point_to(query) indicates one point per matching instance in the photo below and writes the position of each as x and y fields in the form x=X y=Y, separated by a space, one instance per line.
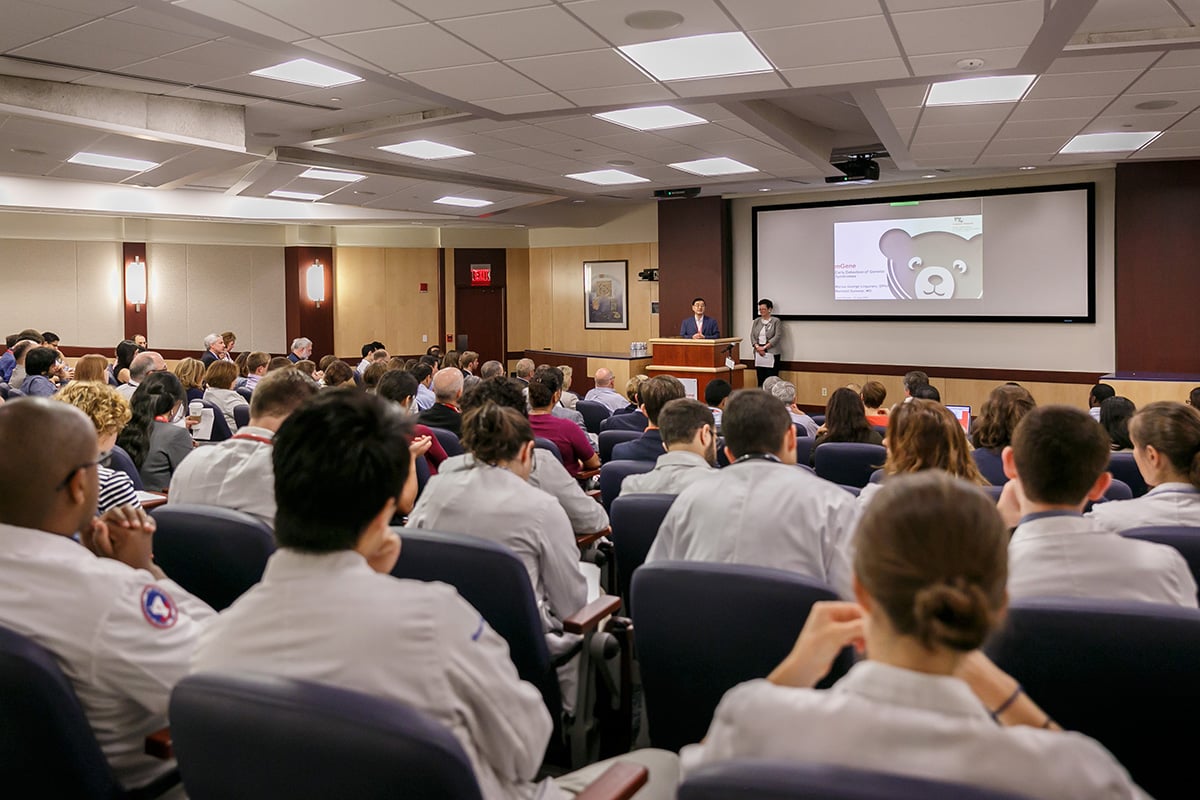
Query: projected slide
x=931 y=258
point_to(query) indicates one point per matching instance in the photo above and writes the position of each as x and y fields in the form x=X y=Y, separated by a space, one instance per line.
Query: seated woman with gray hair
x=785 y=393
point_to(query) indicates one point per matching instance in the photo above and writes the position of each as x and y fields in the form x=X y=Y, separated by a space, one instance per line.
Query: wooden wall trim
x=968 y=373
x=441 y=342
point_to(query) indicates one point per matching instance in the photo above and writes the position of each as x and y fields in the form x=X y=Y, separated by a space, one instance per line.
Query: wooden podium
x=700 y=359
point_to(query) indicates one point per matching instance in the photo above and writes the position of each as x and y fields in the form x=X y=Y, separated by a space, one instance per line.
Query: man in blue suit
x=699 y=326
x=654 y=394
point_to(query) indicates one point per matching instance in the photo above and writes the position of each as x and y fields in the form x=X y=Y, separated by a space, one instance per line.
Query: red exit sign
x=481 y=274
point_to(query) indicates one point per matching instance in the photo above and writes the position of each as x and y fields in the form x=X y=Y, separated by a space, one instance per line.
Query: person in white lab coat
x=689 y=434
x=121 y=631
x=1056 y=463
x=926 y=703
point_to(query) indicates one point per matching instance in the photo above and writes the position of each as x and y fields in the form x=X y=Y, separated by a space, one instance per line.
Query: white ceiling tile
x=673 y=154
x=335 y=56
x=449 y=9
x=618 y=95
x=19 y=164
x=903 y=96
x=1189 y=123
x=842 y=74
x=826 y=42
x=1062 y=108
x=409 y=48
x=165 y=22
x=78 y=54
x=1040 y=128
x=322 y=18
x=1181 y=58
x=1127 y=103
x=936 y=134
x=176 y=69
x=57 y=141
x=1096 y=84
x=961 y=150
x=1142 y=122
x=1164 y=153
x=595 y=69
x=527 y=135
x=974 y=27
x=529 y=32
x=1160 y=79
x=1043 y=146
x=526 y=104
x=129 y=147
x=607 y=17
x=1172 y=139
x=583 y=150
x=231 y=56
x=758 y=14
x=1123 y=15
x=938 y=64
x=361 y=95
x=992 y=160
x=25 y=23
x=584 y=126
x=135 y=38
x=733 y=84
x=530 y=157
x=901 y=6
x=243 y=16
x=96 y=8
x=904 y=119
x=476 y=82
x=963 y=115
x=42 y=72
x=1106 y=63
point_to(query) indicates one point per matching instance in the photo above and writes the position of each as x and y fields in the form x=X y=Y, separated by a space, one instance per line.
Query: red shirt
x=572 y=443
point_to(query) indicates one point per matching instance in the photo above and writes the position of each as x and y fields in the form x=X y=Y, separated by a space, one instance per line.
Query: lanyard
x=757 y=457
x=250 y=437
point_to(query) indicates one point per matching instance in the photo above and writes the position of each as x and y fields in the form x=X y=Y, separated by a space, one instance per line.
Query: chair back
x=755 y=779
x=47 y=748
x=993 y=492
x=609 y=439
x=546 y=444
x=614 y=473
x=244 y=392
x=423 y=474
x=256 y=736
x=215 y=553
x=849 y=463
x=220 y=428
x=635 y=521
x=804 y=446
x=448 y=440
x=818 y=418
x=1184 y=539
x=1125 y=469
x=120 y=461
x=1118 y=671
x=990 y=466
x=491 y=578
x=593 y=414
x=854 y=490
x=241 y=415
x=702 y=628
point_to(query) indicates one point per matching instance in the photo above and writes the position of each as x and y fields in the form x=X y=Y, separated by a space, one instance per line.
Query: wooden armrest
x=587 y=618
x=584 y=474
x=587 y=539
x=159 y=745
x=618 y=782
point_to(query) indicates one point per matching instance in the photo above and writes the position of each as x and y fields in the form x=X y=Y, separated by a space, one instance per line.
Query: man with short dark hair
x=1057 y=462
x=926 y=391
x=914 y=379
x=142 y=365
x=256 y=368
x=236 y=473
x=50 y=339
x=698 y=326
x=447 y=389
x=367 y=349
x=715 y=394
x=762 y=509
x=1099 y=393
x=425 y=397
x=689 y=434
x=8 y=361
x=40 y=363
x=653 y=394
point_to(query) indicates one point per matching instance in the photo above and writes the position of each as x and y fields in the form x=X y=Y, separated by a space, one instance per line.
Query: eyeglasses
x=101 y=461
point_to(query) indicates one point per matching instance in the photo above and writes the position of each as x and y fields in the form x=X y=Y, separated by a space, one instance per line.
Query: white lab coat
x=1167 y=504
x=1067 y=555
x=122 y=638
x=884 y=718
x=766 y=514
x=674 y=471
x=235 y=474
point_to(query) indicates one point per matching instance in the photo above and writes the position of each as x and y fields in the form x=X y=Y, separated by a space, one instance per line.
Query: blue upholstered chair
x=609 y=439
x=1184 y=539
x=614 y=473
x=119 y=460
x=990 y=466
x=1125 y=469
x=702 y=628
x=804 y=448
x=241 y=415
x=215 y=553
x=220 y=428
x=423 y=475
x=635 y=520
x=848 y=463
x=593 y=414
x=244 y=392
x=548 y=446
x=448 y=440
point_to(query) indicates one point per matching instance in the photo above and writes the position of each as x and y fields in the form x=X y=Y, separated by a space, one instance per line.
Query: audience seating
x=119 y=460
x=47 y=748
x=880 y=429
x=702 y=628
x=1124 y=468
x=593 y=414
x=244 y=392
x=818 y=418
x=848 y=463
x=807 y=469
x=254 y=736
x=1123 y=673
x=1184 y=539
x=990 y=466
x=220 y=428
x=754 y=779
x=608 y=439
x=448 y=440
x=215 y=553
x=241 y=416
x=614 y=473
x=1117 y=490
x=804 y=447
x=854 y=490
x=423 y=474
x=549 y=446
x=635 y=521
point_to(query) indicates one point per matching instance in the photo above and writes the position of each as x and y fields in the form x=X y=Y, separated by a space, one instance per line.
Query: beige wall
x=378 y=298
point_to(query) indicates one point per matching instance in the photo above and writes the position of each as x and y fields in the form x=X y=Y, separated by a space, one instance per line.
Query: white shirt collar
x=896 y=686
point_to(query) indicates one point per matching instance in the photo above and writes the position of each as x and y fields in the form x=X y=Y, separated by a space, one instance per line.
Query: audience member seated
x=156 y=445
x=569 y=398
x=633 y=393
x=214 y=349
x=279 y=362
x=921 y=435
x=122 y=633
x=401 y=387
x=300 y=350
x=845 y=421
x=40 y=364
x=873 y=396
x=1099 y=393
x=367 y=350
x=491 y=369
x=1115 y=413
x=236 y=473
x=554 y=379
x=92 y=367
x=623 y=420
x=256 y=368
x=423 y=372
x=761 y=510
x=785 y=393
x=654 y=394
x=468 y=362
x=307 y=367
x=769 y=383
x=109 y=413
x=126 y=351
x=604 y=392
x=372 y=375
x=339 y=373
x=450 y=360
x=1166 y=448
x=926 y=391
x=8 y=361
x=142 y=366
x=993 y=429
x=20 y=350
x=715 y=394
x=912 y=380
x=1194 y=398
x=219 y=378
x=243 y=373
x=1057 y=463
x=524 y=371
x=929 y=578
x=447 y=391
x=190 y=372
x=689 y=434
x=572 y=443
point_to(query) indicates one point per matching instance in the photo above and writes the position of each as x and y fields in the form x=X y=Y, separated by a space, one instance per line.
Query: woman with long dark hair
x=845 y=421
x=154 y=443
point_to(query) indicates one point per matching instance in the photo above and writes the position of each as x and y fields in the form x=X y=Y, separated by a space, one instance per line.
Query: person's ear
x=1009 y=461
x=77 y=486
x=527 y=452
x=861 y=596
x=1100 y=486
x=1152 y=455
x=706 y=434
x=368 y=539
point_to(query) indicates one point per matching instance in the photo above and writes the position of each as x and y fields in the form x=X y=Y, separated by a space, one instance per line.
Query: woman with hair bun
x=930 y=571
x=1166 y=447
x=154 y=443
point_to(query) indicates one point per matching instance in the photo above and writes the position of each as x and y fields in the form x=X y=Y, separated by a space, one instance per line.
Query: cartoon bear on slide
x=934 y=265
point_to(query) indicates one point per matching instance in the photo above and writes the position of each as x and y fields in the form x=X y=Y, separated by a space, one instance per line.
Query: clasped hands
x=124 y=534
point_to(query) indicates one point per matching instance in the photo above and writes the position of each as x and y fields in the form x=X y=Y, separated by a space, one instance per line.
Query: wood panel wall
x=379 y=298
x=694 y=241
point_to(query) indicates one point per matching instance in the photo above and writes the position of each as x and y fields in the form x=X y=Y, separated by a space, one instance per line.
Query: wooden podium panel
x=700 y=359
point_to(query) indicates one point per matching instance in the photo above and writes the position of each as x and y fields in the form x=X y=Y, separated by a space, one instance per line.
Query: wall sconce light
x=314 y=283
x=135 y=283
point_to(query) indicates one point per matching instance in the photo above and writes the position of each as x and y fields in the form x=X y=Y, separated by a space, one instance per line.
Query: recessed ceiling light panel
x=112 y=162
x=286 y=195
x=706 y=56
x=307 y=73
x=1122 y=142
x=651 y=118
x=423 y=148
x=607 y=177
x=318 y=174
x=465 y=202
x=973 y=91
x=713 y=166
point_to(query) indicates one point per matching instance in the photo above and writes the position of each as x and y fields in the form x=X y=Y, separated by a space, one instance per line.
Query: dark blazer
x=633 y=421
x=708 y=326
x=647 y=448
x=295 y=359
x=442 y=416
x=208 y=357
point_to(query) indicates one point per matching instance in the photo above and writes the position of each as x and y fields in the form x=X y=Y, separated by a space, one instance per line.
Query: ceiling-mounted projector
x=858 y=169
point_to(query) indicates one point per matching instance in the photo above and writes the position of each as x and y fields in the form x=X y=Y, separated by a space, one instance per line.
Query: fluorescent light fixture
x=713 y=166
x=970 y=91
x=314 y=283
x=318 y=174
x=423 y=148
x=112 y=162
x=607 y=177
x=465 y=202
x=705 y=56
x=286 y=195
x=651 y=118
x=308 y=73
x=1122 y=142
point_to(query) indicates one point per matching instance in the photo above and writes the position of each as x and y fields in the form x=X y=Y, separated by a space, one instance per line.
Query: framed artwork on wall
x=605 y=295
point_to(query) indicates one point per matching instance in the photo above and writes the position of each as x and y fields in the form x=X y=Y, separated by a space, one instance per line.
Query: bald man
x=121 y=631
x=142 y=365
x=604 y=393
x=447 y=389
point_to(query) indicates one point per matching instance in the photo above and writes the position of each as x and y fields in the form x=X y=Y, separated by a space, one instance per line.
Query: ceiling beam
x=338 y=134
x=811 y=142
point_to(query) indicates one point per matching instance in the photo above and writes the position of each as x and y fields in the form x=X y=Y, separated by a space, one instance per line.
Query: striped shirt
x=116 y=489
